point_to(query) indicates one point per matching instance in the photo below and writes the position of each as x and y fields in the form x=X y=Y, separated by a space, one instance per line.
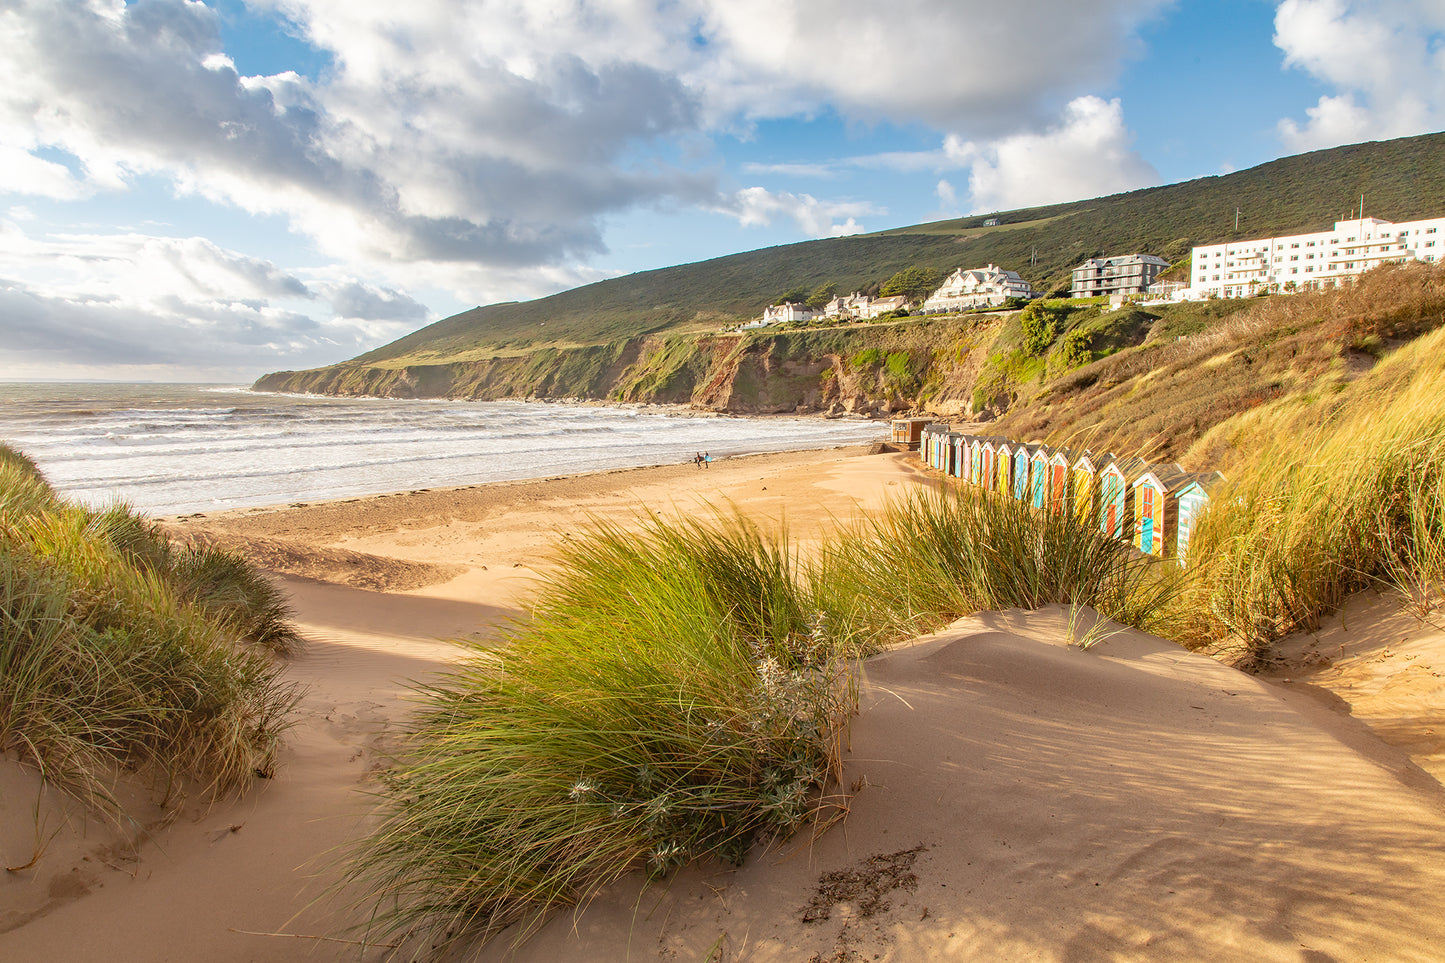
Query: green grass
x=1347 y=493
x=681 y=692
x=117 y=651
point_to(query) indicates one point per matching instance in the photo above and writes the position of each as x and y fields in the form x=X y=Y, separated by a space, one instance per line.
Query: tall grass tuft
x=935 y=556
x=1344 y=498
x=105 y=663
x=677 y=693
x=672 y=696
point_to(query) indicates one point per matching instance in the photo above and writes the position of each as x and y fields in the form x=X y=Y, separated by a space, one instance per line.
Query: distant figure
x=706 y=460
x=697 y=459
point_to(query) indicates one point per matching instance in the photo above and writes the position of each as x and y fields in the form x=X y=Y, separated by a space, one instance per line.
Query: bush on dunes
x=679 y=692
x=673 y=695
x=1348 y=494
x=109 y=658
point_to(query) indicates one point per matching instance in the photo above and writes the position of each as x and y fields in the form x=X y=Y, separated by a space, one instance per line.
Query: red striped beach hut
x=1116 y=496
x=1059 y=480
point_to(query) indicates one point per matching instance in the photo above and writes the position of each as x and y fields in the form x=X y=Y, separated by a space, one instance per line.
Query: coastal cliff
x=866 y=369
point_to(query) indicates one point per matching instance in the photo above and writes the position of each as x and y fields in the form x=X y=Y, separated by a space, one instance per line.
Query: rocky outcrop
x=874 y=370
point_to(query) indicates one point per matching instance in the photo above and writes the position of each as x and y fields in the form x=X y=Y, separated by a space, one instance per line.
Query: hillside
x=1400 y=179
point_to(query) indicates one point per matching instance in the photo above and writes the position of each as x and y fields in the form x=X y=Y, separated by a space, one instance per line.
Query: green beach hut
x=1039 y=476
x=1116 y=496
x=1193 y=500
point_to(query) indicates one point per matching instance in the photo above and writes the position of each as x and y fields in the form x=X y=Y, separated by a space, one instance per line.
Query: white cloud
x=132 y=302
x=1385 y=59
x=1088 y=153
x=759 y=207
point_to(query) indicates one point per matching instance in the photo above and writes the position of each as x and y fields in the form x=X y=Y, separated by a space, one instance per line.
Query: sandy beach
x=1007 y=796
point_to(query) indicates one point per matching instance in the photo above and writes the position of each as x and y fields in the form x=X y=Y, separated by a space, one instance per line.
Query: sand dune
x=1011 y=797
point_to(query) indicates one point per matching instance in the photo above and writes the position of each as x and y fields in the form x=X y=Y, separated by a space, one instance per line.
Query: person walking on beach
x=707 y=459
x=697 y=460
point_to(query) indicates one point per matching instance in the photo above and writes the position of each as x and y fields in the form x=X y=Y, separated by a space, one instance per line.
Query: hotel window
x=1294 y=257
x=1429 y=230
x=1296 y=244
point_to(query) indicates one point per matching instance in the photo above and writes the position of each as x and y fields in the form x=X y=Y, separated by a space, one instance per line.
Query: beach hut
x=960 y=454
x=1039 y=476
x=1116 y=501
x=1059 y=479
x=988 y=452
x=975 y=460
x=931 y=443
x=1023 y=465
x=1156 y=508
x=907 y=432
x=1005 y=468
x=1085 y=483
x=1193 y=499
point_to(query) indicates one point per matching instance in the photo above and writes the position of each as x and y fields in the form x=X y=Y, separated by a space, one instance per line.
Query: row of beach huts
x=1151 y=506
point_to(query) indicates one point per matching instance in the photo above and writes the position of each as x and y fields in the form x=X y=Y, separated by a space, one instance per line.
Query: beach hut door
x=1146 y=534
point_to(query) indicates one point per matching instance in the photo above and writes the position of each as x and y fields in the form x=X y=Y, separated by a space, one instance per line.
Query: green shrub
x=673 y=694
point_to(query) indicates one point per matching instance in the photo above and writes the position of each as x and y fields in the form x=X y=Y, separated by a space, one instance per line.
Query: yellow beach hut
x=1116 y=501
x=1085 y=483
x=1005 y=468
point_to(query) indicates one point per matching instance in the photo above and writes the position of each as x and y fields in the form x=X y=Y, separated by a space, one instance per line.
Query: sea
x=172 y=449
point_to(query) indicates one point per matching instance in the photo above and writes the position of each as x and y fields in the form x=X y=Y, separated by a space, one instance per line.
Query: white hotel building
x=1239 y=269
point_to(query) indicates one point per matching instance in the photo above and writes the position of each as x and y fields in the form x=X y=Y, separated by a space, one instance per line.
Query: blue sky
x=212 y=190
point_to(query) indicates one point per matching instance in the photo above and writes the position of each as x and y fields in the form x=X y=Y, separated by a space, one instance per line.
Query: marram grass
x=1345 y=498
x=112 y=657
x=679 y=692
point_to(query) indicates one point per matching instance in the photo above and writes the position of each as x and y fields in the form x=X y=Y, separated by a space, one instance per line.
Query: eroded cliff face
x=922 y=365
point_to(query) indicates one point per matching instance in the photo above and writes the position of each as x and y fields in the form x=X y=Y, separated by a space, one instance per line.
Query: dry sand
x=1015 y=798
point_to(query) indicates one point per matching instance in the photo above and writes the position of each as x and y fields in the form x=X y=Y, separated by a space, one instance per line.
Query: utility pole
x=1236 y=220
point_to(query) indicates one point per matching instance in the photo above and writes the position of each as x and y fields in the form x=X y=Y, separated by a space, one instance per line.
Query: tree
x=822 y=294
x=1041 y=325
x=914 y=283
x=793 y=295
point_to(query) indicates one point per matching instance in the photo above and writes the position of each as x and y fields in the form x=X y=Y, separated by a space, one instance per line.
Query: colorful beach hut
x=1116 y=496
x=1023 y=469
x=988 y=452
x=1193 y=499
x=930 y=449
x=961 y=460
x=1156 y=508
x=1059 y=480
x=1039 y=476
x=1085 y=483
x=1005 y=468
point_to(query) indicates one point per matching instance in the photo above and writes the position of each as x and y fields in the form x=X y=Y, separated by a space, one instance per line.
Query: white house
x=1121 y=274
x=977 y=288
x=1238 y=269
x=788 y=311
x=875 y=307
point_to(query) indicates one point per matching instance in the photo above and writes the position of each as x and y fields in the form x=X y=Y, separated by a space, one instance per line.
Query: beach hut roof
x=1169 y=478
x=1204 y=480
x=1094 y=462
x=1130 y=468
x=1063 y=456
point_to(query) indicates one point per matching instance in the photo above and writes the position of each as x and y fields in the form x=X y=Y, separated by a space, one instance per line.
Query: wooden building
x=1085 y=483
x=1116 y=496
x=1059 y=478
x=1023 y=469
x=1156 y=508
x=1193 y=500
x=1039 y=476
x=907 y=432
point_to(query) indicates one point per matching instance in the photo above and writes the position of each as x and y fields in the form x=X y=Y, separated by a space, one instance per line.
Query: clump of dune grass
x=1347 y=496
x=673 y=695
x=680 y=692
x=933 y=557
x=106 y=664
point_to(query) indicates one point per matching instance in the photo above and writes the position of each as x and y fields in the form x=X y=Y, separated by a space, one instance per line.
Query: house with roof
x=1122 y=274
x=969 y=288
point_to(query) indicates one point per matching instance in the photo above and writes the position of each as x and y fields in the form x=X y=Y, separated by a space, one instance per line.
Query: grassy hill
x=1400 y=179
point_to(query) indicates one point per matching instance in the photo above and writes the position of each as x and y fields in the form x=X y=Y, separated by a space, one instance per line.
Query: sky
x=208 y=190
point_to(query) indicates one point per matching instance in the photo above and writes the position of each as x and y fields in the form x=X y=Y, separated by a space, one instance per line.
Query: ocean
x=175 y=449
